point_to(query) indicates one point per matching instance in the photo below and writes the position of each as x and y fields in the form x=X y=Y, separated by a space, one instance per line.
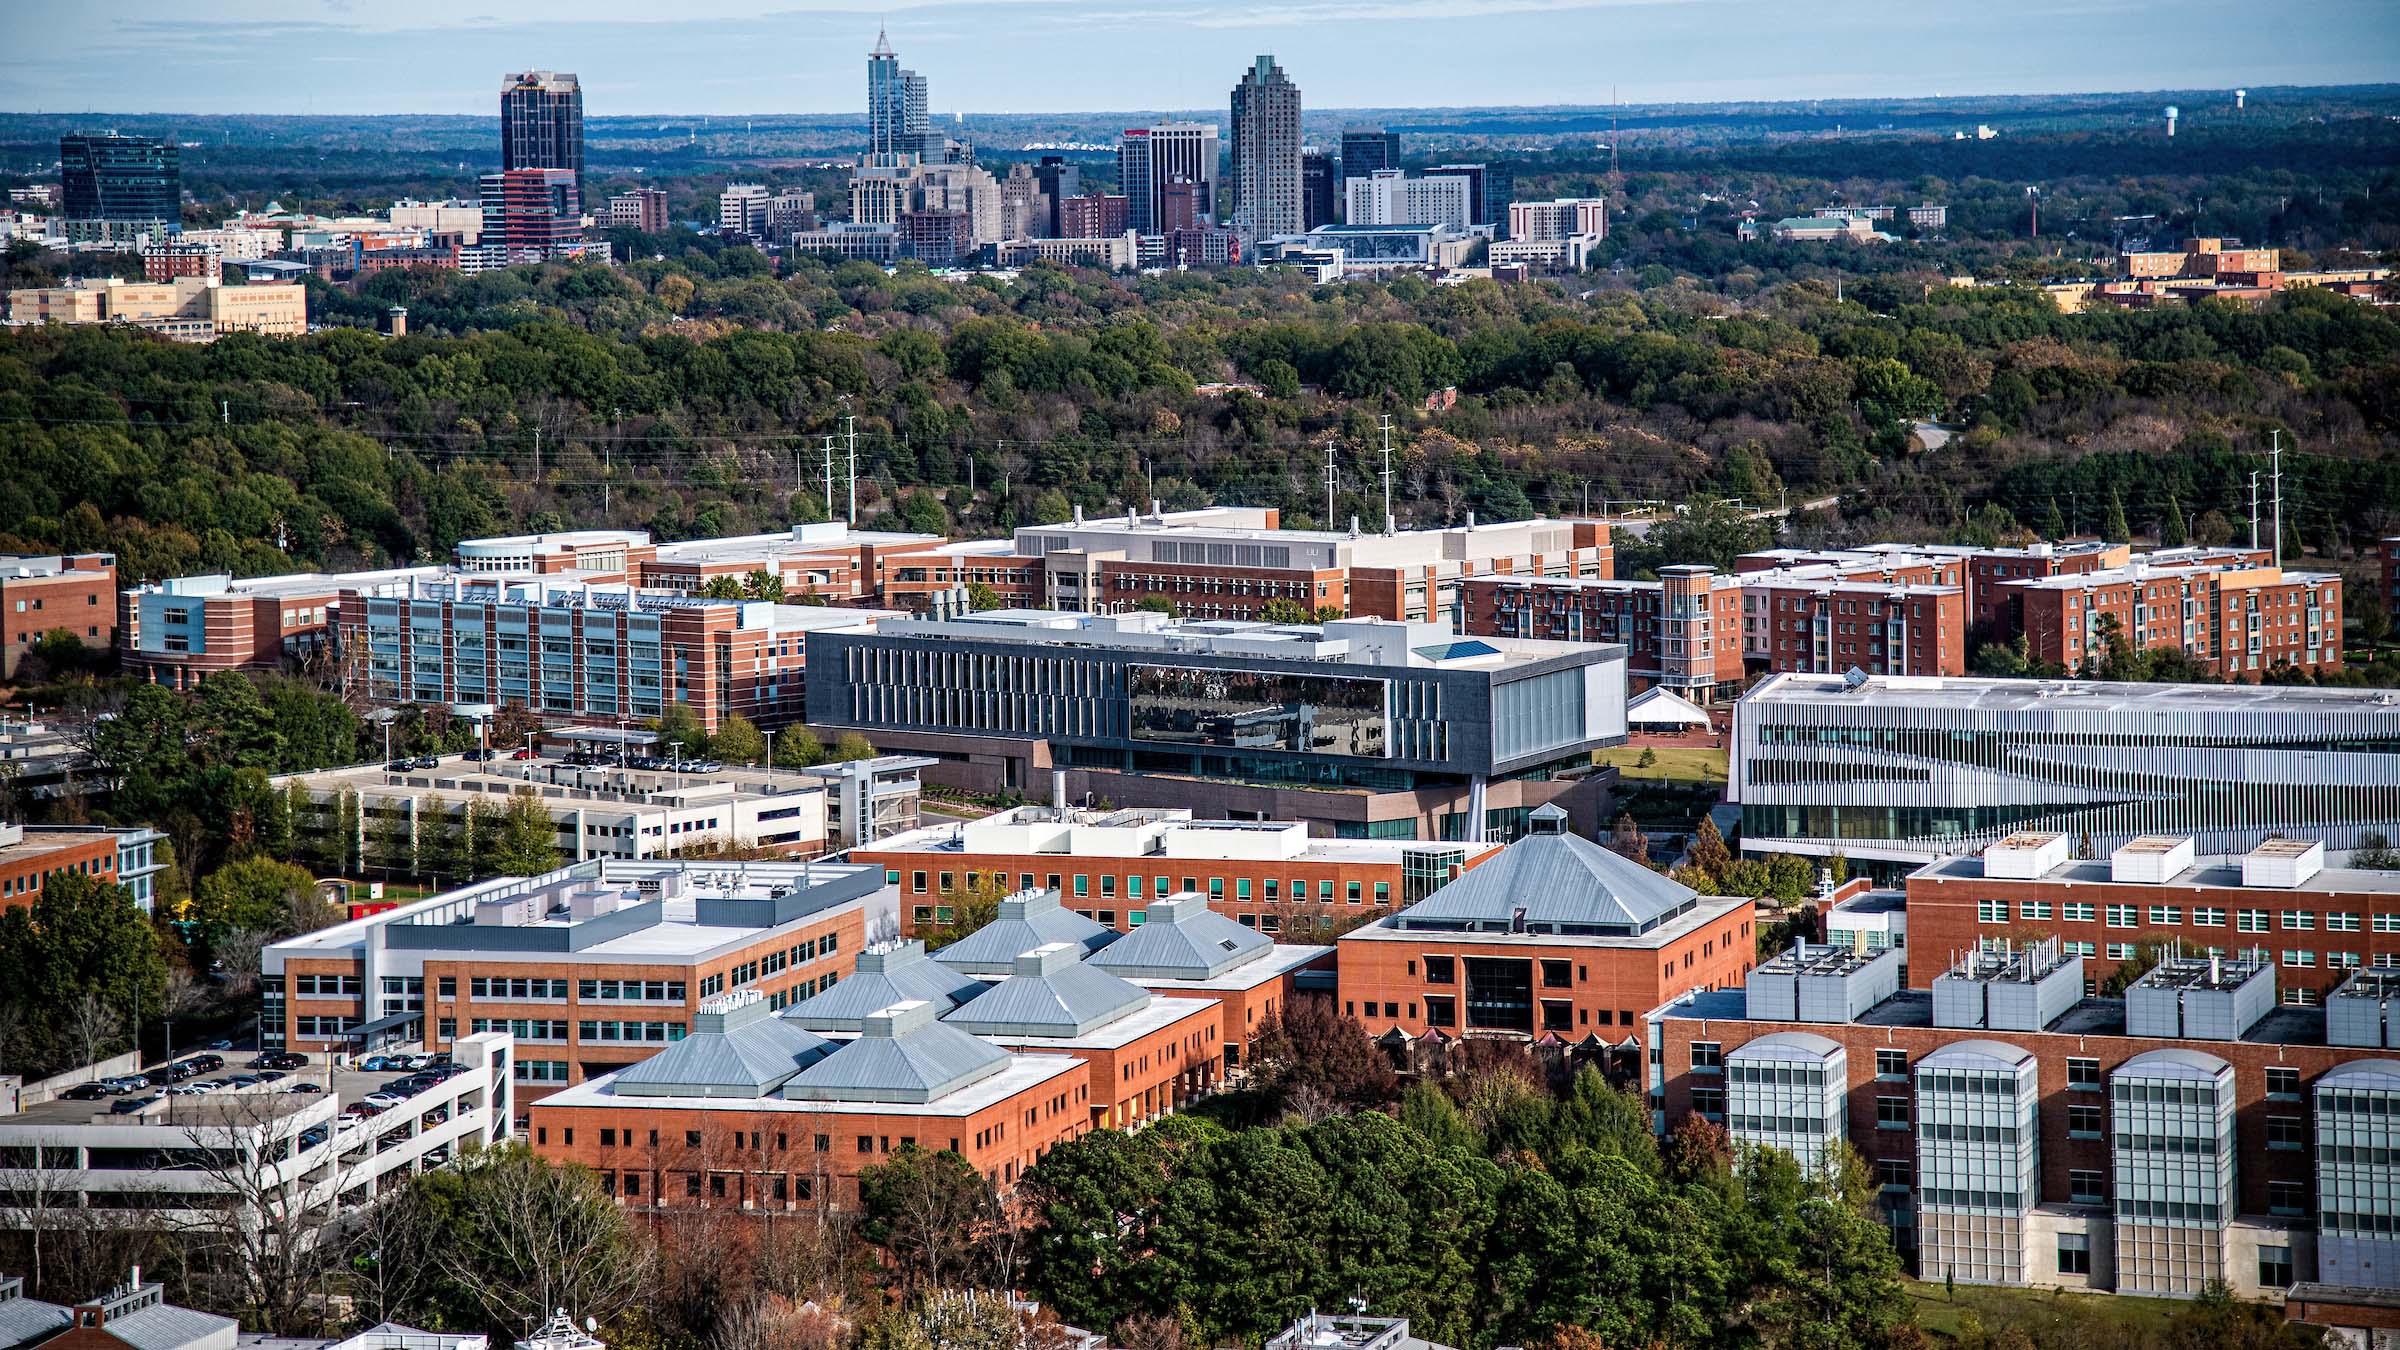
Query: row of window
x=515 y=988
x=325 y=985
x=2202 y=916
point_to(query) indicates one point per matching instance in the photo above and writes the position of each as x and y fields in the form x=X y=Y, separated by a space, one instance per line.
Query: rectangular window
x=2074 y=1254
x=2166 y=915
x=2124 y=916
x=1991 y=911
x=2086 y=1188
x=2085 y=1122
x=1891 y=1064
x=2077 y=911
x=1891 y=1113
x=2250 y=920
x=2035 y=910
x=2341 y=923
x=1558 y=974
x=2299 y=920
x=2287 y=1198
x=2283 y=1085
x=2274 y=1267
x=1441 y=969
x=2208 y=916
x=2285 y=1133
x=2083 y=1075
x=1708 y=1057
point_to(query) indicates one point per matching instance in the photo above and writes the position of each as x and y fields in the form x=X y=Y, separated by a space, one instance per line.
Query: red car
x=522 y=754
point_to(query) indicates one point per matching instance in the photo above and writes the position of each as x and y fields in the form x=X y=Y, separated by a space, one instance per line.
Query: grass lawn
x=2040 y=1312
x=1683 y=763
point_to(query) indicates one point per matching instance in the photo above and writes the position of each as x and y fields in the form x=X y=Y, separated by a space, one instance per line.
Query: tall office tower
x=532 y=213
x=1390 y=197
x=1366 y=149
x=541 y=122
x=1266 y=153
x=1059 y=180
x=897 y=121
x=1150 y=158
x=1320 y=189
x=1478 y=205
x=134 y=179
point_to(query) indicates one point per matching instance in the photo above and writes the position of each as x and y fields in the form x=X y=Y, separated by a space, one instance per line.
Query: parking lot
x=346 y=1085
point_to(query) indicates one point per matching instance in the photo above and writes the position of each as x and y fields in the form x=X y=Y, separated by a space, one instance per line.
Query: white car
x=384 y=1101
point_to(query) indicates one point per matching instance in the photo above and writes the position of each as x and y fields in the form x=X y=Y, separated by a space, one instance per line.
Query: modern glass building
x=2358 y=1174
x=1266 y=153
x=1979 y=1163
x=2171 y=1156
x=1789 y=1091
x=1907 y=769
x=125 y=178
x=541 y=122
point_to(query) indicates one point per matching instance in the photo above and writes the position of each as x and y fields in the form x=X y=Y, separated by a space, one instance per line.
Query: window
x=1892 y=1173
x=1441 y=969
x=1709 y=1102
x=2074 y=1254
x=1891 y=1113
x=2285 y=1133
x=2208 y=916
x=1558 y=974
x=2386 y=923
x=1708 y=1057
x=2287 y=1198
x=2341 y=923
x=2083 y=1075
x=2274 y=1267
x=2085 y=1122
x=2299 y=920
x=2283 y=1085
x=2120 y=951
x=2077 y=911
x=2086 y=1187
x=1891 y=1064
x=2037 y=910
x=2166 y=915
x=2124 y=916
x=1991 y=911
x=2250 y=920
x=1441 y=1010
x=2298 y=959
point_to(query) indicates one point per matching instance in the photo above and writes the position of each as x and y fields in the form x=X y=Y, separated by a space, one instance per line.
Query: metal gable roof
x=901 y=1055
x=898 y=973
x=737 y=1048
x=1561 y=883
x=1182 y=939
x=163 y=1326
x=1051 y=992
x=1027 y=920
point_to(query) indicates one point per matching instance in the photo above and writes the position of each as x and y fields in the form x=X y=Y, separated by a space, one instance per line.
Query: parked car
x=399 y=766
x=383 y=1101
x=86 y=1092
x=124 y=1084
x=208 y=1063
x=243 y=1080
x=437 y=1155
x=279 y=1059
x=362 y=1110
x=314 y=1135
x=272 y=1076
x=521 y=754
x=482 y=754
x=378 y=1063
x=126 y=1106
x=304 y=1087
x=160 y=1077
x=188 y=1090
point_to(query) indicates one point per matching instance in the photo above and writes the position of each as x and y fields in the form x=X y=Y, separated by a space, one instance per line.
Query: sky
x=723 y=57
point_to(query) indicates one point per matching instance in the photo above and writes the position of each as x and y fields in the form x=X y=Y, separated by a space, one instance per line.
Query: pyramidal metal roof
x=1551 y=881
x=901 y=1055
x=737 y=1048
x=900 y=972
x=1027 y=920
x=1182 y=939
x=1051 y=992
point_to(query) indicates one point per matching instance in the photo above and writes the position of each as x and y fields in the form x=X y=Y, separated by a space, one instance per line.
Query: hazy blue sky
x=719 y=56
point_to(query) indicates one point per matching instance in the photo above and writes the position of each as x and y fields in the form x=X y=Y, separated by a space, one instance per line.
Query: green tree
x=144 y=752
x=724 y=586
x=852 y=746
x=260 y=894
x=681 y=726
x=2171 y=530
x=528 y=840
x=797 y=747
x=2112 y=525
x=78 y=934
x=738 y=741
x=484 y=829
x=231 y=726
x=926 y=1210
x=762 y=584
x=981 y=597
x=1282 y=610
x=391 y=840
x=1708 y=851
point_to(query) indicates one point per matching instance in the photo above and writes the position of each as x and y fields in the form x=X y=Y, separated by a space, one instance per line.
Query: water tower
x=2172 y=113
x=2238 y=96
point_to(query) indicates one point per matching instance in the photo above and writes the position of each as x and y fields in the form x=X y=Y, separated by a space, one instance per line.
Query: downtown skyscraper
x=1151 y=159
x=897 y=120
x=1266 y=153
x=131 y=180
x=541 y=122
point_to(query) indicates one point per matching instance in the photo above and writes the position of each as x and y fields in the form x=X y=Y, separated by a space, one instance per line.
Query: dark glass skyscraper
x=1320 y=188
x=1366 y=149
x=541 y=122
x=131 y=178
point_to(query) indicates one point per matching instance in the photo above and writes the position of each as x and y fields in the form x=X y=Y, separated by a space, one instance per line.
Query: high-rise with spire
x=1266 y=153
x=897 y=121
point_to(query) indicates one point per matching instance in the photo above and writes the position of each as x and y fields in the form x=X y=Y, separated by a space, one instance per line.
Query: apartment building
x=590 y=967
x=71 y=593
x=755 y=1112
x=1114 y=866
x=1681 y=632
x=1555 y=936
x=2239 y=621
x=2277 y=904
x=575 y=650
x=179 y=631
x=1362 y=728
x=1830 y=626
x=2025 y=1134
x=1893 y=771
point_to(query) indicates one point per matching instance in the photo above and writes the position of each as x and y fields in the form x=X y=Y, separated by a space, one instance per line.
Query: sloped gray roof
x=901 y=1055
x=898 y=973
x=25 y=1319
x=737 y=1048
x=163 y=1326
x=1976 y=1054
x=1182 y=939
x=1051 y=992
x=1027 y=920
x=2172 y=1062
x=1563 y=883
x=1787 y=1045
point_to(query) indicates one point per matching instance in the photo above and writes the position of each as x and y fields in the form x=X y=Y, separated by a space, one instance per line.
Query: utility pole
x=852 y=424
x=2254 y=508
x=537 y=450
x=1389 y=525
x=1331 y=478
x=2276 y=461
x=829 y=478
x=225 y=411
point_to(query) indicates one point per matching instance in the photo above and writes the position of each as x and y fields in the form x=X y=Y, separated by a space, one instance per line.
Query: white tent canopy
x=1663 y=708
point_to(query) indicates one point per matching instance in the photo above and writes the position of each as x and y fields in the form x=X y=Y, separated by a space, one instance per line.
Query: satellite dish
x=1853 y=677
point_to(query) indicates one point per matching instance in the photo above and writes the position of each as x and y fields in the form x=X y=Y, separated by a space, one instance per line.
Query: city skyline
x=250 y=56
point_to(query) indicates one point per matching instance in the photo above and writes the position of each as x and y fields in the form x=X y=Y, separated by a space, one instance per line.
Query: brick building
x=2238 y=620
x=1185 y=948
x=1682 y=632
x=1112 y=866
x=1555 y=935
x=2277 y=904
x=72 y=593
x=29 y=860
x=756 y=1113
x=2025 y=1134
x=1829 y=627
x=180 y=631
x=591 y=967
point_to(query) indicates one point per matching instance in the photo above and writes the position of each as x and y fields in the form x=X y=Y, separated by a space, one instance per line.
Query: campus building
x=755 y=1112
x=1361 y=728
x=2277 y=904
x=2236 y=620
x=590 y=967
x=179 y=631
x=1112 y=866
x=28 y=859
x=1555 y=936
x=73 y=594
x=1186 y=949
x=2025 y=1134
x=1902 y=770
x=182 y=308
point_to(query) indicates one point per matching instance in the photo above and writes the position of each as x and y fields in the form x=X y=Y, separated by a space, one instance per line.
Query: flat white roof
x=1024 y=1071
x=1272 y=963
